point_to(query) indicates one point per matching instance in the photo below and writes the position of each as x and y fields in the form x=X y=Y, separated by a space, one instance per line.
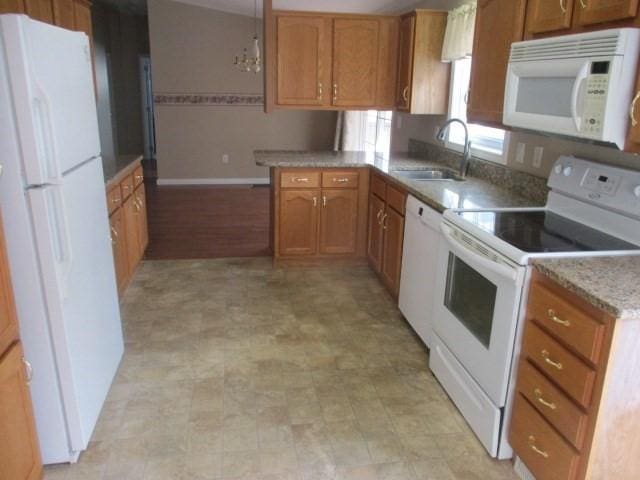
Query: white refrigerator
x=52 y=196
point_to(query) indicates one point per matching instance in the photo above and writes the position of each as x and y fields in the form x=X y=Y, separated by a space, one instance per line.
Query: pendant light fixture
x=252 y=63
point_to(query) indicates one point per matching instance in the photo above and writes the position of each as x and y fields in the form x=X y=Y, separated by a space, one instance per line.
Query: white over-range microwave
x=576 y=85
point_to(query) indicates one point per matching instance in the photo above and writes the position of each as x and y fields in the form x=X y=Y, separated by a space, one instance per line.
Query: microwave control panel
x=595 y=99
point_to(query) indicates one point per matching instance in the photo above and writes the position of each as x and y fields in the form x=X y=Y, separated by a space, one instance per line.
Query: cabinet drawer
x=340 y=179
x=378 y=187
x=138 y=176
x=561 y=366
x=542 y=450
x=566 y=321
x=554 y=405
x=114 y=199
x=127 y=186
x=396 y=199
x=300 y=179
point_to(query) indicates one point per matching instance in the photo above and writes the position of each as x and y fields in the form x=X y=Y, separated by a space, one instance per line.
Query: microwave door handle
x=463 y=252
x=576 y=94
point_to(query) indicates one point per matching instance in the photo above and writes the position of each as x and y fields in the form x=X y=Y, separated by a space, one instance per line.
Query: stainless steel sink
x=440 y=174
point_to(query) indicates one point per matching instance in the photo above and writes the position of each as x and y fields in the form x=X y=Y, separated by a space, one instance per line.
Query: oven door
x=477 y=296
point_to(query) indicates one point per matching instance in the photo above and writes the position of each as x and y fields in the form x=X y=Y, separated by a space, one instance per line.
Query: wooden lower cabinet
x=393 y=227
x=19 y=450
x=143 y=227
x=132 y=242
x=320 y=212
x=575 y=413
x=339 y=221
x=299 y=222
x=118 y=241
x=386 y=232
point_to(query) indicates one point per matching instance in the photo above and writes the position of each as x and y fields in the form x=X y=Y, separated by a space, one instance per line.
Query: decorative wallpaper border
x=209 y=99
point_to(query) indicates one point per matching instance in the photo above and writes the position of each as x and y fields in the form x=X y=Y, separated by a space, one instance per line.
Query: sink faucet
x=466 y=154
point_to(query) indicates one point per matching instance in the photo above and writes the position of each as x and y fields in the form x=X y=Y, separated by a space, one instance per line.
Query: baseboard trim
x=212 y=181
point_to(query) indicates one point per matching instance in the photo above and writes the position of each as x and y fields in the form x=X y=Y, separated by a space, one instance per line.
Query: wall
x=119 y=39
x=192 y=50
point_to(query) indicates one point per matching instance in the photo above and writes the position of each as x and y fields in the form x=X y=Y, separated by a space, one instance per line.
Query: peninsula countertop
x=440 y=195
x=117 y=168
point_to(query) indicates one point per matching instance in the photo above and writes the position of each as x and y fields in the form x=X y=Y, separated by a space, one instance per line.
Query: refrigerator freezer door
x=72 y=238
x=52 y=85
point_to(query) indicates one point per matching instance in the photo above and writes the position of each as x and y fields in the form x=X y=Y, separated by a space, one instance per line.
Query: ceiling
x=245 y=7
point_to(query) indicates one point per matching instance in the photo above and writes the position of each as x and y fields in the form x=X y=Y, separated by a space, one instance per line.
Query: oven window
x=471 y=298
x=545 y=95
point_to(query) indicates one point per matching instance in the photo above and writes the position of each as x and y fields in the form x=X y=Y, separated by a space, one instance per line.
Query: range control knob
x=636 y=191
x=568 y=170
x=558 y=168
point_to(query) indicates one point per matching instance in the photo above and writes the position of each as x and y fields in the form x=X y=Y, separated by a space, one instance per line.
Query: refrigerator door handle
x=45 y=130
x=61 y=236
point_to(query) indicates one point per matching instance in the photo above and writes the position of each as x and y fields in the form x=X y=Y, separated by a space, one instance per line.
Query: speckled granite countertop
x=610 y=283
x=114 y=167
x=440 y=195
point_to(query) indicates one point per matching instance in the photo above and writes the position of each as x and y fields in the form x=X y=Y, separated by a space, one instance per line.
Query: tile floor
x=235 y=369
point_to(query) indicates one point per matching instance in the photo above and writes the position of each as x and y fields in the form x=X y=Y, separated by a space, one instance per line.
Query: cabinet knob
x=632 y=109
x=335 y=92
x=405 y=93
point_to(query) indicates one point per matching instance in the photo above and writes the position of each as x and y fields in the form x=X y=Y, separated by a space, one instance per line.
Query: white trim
x=213 y=181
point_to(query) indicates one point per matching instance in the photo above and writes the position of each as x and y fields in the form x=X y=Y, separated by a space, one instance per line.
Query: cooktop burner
x=542 y=231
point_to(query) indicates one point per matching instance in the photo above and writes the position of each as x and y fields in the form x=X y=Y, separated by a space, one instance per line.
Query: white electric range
x=484 y=269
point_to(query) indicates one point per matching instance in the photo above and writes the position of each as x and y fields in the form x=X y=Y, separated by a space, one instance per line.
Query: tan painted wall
x=192 y=50
x=422 y=127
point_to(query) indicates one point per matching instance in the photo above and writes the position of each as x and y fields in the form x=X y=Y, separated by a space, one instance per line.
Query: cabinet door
x=375 y=237
x=143 y=229
x=393 y=226
x=132 y=241
x=298 y=233
x=302 y=60
x=549 y=15
x=119 y=243
x=39 y=10
x=405 y=62
x=64 y=14
x=589 y=12
x=339 y=221
x=498 y=24
x=8 y=321
x=12 y=6
x=633 y=136
x=355 y=62
x=387 y=63
x=19 y=451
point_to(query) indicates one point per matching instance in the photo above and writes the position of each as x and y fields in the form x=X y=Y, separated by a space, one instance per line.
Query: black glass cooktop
x=544 y=232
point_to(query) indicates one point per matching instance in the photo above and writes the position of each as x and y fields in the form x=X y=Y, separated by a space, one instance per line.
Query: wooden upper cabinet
x=549 y=15
x=82 y=17
x=423 y=79
x=355 y=62
x=303 y=56
x=19 y=450
x=12 y=6
x=387 y=63
x=498 y=24
x=405 y=62
x=590 y=12
x=299 y=222
x=39 y=10
x=339 y=221
x=64 y=14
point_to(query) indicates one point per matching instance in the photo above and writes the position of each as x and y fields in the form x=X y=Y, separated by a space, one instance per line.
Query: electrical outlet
x=225 y=158
x=537 y=157
x=520 y=151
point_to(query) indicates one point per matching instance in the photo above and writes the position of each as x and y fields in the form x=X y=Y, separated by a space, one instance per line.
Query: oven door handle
x=464 y=253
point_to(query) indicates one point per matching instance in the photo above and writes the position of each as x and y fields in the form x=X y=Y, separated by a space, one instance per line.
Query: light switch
x=520 y=151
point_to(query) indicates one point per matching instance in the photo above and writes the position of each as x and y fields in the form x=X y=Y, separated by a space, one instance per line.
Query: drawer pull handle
x=582 y=4
x=139 y=177
x=115 y=200
x=378 y=217
x=532 y=444
x=301 y=179
x=405 y=94
x=545 y=355
x=324 y=200
x=551 y=313
x=538 y=394
x=340 y=180
x=28 y=369
x=315 y=202
x=632 y=110
x=563 y=7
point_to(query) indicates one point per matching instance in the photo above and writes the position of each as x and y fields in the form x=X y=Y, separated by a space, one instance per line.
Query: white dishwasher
x=419 y=266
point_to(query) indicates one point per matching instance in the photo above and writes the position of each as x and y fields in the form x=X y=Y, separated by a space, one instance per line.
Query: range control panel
x=603 y=185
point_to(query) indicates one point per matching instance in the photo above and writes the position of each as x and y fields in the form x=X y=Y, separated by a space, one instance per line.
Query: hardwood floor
x=207 y=222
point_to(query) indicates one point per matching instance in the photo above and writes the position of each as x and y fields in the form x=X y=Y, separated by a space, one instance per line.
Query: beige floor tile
x=433 y=469
x=241 y=464
x=278 y=461
x=367 y=472
x=351 y=453
x=395 y=471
